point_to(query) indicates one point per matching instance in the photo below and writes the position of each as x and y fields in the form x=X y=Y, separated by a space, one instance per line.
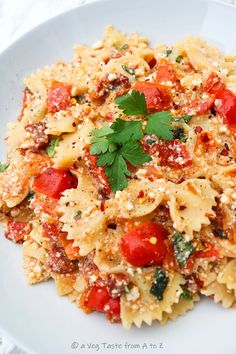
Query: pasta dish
x=120 y=178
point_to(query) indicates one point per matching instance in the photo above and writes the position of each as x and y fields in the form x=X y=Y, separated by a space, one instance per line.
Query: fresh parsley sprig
x=119 y=144
x=115 y=146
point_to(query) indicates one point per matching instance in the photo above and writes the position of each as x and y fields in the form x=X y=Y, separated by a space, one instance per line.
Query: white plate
x=35 y=317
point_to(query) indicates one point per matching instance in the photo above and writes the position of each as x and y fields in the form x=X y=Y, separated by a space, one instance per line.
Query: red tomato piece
x=144 y=245
x=225 y=105
x=16 y=231
x=157 y=99
x=58 y=97
x=113 y=309
x=152 y=63
x=200 y=106
x=205 y=142
x=172 y=153
x=53 y=182
x=99 y=299
x=166 y=73
x=209 y=251
x=213 y=83
x=98 y=173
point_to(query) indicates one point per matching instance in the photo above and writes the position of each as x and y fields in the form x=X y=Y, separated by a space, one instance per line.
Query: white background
x=16 y=18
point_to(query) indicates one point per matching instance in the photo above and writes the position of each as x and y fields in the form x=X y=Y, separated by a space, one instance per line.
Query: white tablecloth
x=16 y=18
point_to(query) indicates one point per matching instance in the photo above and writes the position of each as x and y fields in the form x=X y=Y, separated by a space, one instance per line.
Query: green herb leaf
x=122 y=47
x=134 y=153
x=180 y=135
x=117 y=173
x=160 y=283
x=159 y=124
x=77 y=215
x=184 y=119
x=100 y=142
x=101 y=145
x=50 y=149
x=106 y=159
x=179 y=59
x=186 y=295
x=3 y=166
x=132 y=104
x=128 y=70
x=150 y=141
x=182 y=249
x=220 y=233
x=30 y=195
x=168 y=52
x=104 y=131
x=126 y=130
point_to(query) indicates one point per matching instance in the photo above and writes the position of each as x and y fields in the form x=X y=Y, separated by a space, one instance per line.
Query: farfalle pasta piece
x=228 y=275
x=191 y=205
x=35 y=271
x=36 y=234
x=220 y=293
x=203 y=57
x=71 y=146
x=227 y=249
x=59 y=123
x=14 y=185
x=108 y=257
x=140 y=198
x=64 y=283
x=87 y=227
x=34 y=262
x=180 y=309
x=71 y=73
x=146 y=308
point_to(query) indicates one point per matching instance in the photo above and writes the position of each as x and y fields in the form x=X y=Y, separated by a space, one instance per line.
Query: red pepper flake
x=140 y=194
x=102 y=205
x=198 y=129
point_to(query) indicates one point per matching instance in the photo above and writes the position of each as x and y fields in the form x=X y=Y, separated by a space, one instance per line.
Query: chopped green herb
x=50 y=149
x=27 y=89
x=159 y=285
x=182 y=249
x=184 y=119
x=132 y=104
x=30 y=195
x=79 y=98
x=3 y=166
x=179 y=59
x=128 y=287
x=150 y=141
x=78 y=215
x=128 y=70
x=160 y=124
x=186 y=295
x=219 y=233
x=180 y=135
x=123 y=47
x=168 y=52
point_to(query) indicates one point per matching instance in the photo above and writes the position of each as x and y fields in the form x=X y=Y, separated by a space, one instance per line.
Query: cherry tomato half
x=52 y=182
x=144 y=245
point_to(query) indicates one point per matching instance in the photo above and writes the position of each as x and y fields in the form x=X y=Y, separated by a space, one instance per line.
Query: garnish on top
x=120 y=144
